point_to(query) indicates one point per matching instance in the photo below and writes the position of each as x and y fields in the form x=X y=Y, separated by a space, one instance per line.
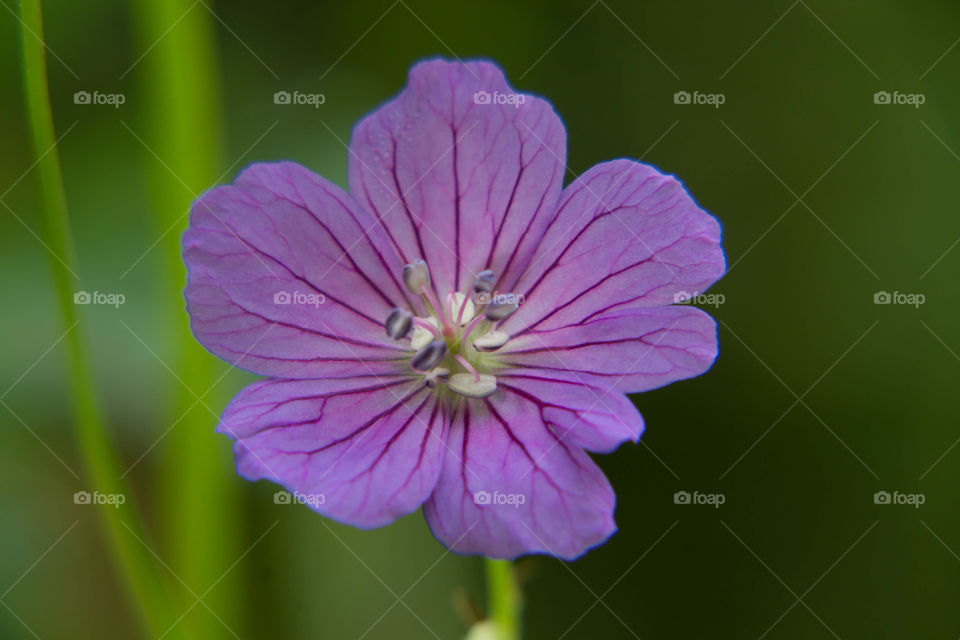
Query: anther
x=432 y=378
x=467 y=385
x=500 y=307
x=484 y=281
x=429 y=356
x=416 y=276
x=491 y=341
x=398 y=323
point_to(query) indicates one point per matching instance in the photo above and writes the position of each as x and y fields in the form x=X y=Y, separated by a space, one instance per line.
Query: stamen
x=463 y=306
x=452 y=322
x=492 y=341
x=424 y=323
x=399 y=323
x=466 y=385
x=484 y=281
x=500 y=307
x=473 y=325
x=416 y=276
x=439 y=372
x=429 y=356
x=466 y=365
x=448 y=306
x=434 y=305
x=425 y=330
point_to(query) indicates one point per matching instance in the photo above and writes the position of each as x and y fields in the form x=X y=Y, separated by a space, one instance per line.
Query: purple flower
x=458 y=329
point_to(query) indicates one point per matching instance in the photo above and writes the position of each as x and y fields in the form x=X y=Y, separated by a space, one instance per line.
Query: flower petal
x=625 y=236
x=632 y=350
x=360 y=451
x=451 y=172
x=510 y=485
x=278 y=232
x=580 y=409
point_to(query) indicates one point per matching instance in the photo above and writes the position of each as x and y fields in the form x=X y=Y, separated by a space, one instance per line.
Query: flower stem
x=504 y=599
x=148 y=586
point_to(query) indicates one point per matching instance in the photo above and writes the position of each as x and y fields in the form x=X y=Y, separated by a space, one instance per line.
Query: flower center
x=454 y=338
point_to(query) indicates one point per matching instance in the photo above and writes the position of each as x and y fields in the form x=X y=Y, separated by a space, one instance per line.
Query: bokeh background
x=820 y=398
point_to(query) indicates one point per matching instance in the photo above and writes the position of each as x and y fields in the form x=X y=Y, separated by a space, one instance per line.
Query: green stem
x=122 y=524
x=504 y=599
x=181 y=131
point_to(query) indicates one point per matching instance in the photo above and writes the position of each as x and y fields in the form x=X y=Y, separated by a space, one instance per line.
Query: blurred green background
x=820 y=397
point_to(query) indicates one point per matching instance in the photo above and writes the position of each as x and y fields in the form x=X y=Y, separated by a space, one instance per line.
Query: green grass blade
x=124 y=533
x=181 y=131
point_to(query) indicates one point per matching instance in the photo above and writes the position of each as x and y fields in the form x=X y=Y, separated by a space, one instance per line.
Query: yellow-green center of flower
x=454 y=339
